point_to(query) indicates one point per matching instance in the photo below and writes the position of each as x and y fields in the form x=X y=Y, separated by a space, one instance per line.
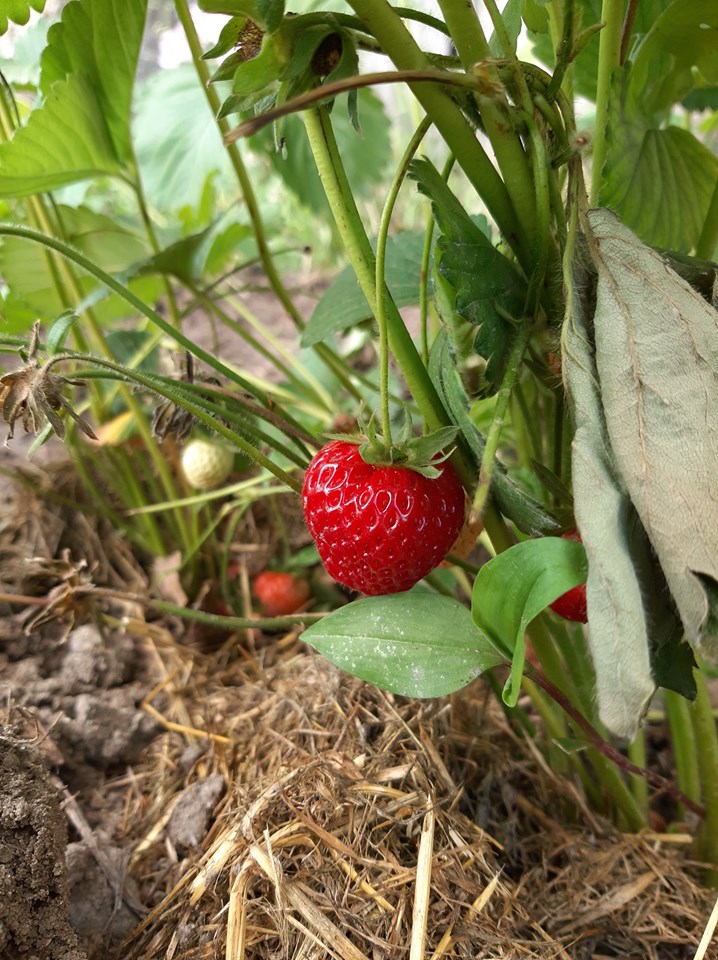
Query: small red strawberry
x=280 y=593
x=572 y=604
x=381 y=528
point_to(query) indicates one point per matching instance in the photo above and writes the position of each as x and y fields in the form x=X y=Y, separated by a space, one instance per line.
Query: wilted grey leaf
x=618 y=632
x=657 y=359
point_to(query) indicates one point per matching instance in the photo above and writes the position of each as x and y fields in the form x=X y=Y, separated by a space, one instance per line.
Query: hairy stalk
x=683 y=739
x=473 y=48
x=706 y=740
x=245 y=184
x=380 y=281
x=387 y=27
x=156 y=386
x=356 y=243
x=493 y=436
x=609 y=58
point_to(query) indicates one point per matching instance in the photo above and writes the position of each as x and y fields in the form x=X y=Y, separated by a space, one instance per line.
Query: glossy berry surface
x=572 y=604
x=280 y=593
x=379 y=529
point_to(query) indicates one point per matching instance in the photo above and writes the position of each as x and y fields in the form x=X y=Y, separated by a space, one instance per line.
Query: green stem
x=356 y=243
x=155 y=385
x=706 y=741
x=448 y=119
x=493 y=436
x=380 y=280
x=609 y=58
x=473 y=48
x=238 y=166
x=639 y=786
x=683 y=739
x=709 y=234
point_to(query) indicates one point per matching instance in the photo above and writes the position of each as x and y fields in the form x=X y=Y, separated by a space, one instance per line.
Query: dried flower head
x=33 y=395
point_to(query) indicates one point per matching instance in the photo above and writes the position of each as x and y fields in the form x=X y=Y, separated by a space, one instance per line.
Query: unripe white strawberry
x=206 y=464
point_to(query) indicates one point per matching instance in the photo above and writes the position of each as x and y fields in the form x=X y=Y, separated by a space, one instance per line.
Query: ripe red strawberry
x=280 y=593
x=572 y=604
x=379 y=529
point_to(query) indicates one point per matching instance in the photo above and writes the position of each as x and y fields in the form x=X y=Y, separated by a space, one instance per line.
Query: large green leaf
x=343 y=304
x=515 y=586
x=82 y=128
x=418 y=644
x=177 y=141
x=685 y=35
x=657 y=360
x=488 y=286
x=64 y=140
x=18 y=11
x=659 y=181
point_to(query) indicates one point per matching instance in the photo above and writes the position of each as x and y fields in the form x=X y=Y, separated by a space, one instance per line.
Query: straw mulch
x=357 y=825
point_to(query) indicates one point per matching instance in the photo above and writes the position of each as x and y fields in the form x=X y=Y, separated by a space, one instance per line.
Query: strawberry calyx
x=423 y=454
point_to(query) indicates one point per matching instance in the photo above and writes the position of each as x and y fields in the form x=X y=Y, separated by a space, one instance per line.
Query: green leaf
x=82 y=128
x=511 y=15
x=343 y=304
x=446 y=379
x=515 y=586
x=63 y=141
x=271 y=13
x=487 y=285
x=177 y=142
x=658 y=367
x=418 y=644
x=659 y=181
x=585 y=66
x=18 y=11
x=535 y=17
x=246 y=8
x=685 y=35
x=99 y=40
x=58 y=331
x=183 y=259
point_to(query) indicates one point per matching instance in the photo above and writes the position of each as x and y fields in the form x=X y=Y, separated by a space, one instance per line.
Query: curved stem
x=683 y=740
x=380 y=281
x=155 y=385
x=356 y=243
x=448 y=119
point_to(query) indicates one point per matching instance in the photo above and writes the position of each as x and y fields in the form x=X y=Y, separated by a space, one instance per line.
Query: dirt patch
x=34 y=922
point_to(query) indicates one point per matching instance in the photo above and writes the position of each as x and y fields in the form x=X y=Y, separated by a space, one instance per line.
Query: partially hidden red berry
x=572 y=604
x=379 y=529
x=280 y=593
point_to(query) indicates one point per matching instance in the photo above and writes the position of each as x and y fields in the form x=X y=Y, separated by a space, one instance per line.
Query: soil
x=169 y=792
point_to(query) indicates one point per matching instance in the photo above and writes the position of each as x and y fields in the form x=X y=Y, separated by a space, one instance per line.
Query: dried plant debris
x=360 y=826
x=33 y=395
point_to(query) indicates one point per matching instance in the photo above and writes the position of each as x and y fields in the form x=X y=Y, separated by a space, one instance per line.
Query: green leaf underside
x=177 y=142
x=343 y=304
x=657 y=360
x=417 y=643
x=515 y=586
x=82 y=128
x=618 y=631
x=659 y=181
x=18 y=11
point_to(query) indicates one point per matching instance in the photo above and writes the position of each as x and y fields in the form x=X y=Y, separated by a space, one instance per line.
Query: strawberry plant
x=562 y=374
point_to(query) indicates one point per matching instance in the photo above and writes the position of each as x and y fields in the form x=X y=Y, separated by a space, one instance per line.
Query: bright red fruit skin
x=379 y=529
x=572 y=604
x=280 y=593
